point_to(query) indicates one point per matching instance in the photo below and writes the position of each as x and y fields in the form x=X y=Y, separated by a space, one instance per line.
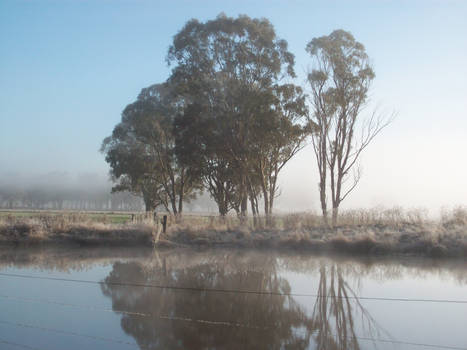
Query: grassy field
x=373 y=232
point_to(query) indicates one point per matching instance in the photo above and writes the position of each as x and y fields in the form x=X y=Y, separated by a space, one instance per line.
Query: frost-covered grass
x=392 y=231
x=71 y=228
x=372 y=232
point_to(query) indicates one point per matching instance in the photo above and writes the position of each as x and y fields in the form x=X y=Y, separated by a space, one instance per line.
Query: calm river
x=56 y=298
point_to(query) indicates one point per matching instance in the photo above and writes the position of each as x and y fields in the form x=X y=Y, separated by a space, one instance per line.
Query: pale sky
x=68 y=68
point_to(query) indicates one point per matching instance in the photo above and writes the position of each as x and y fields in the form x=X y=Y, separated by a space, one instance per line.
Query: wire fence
x=237 y=291
x=188 y=319
x=172 y=318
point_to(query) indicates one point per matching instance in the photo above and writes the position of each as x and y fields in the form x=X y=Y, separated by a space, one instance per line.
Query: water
x=227 y=299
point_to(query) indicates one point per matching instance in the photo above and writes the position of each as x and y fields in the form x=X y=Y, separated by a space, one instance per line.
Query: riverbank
x=359 y=233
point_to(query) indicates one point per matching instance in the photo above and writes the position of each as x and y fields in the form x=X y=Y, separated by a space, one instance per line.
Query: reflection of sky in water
x=295 y=318
x=71 y=319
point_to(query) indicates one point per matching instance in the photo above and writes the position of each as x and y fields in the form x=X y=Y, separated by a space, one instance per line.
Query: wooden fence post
x=164 y=223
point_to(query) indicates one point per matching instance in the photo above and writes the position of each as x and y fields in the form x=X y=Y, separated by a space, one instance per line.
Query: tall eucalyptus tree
x=339 y=81
x=232 y=68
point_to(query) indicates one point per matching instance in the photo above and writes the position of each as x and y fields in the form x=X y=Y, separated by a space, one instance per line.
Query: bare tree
x=340 y=79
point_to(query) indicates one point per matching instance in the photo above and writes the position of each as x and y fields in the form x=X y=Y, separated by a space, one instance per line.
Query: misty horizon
x=75 y=93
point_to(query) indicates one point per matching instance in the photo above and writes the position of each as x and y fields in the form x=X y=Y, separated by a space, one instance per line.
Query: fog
x=68 y=71
x=82 y=191
x=62 y=191
x=56 y=180
x=422 y=171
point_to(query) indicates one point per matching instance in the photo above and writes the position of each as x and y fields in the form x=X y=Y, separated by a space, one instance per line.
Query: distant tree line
x=228 y=119
x=40 y=197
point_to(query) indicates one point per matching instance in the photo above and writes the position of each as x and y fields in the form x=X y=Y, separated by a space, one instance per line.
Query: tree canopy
x=141 y=151
x=230 y=70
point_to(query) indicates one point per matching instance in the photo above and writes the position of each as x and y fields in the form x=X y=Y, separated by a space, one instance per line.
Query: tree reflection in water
x=335 y=311
x=181 y=319
x=259 y=321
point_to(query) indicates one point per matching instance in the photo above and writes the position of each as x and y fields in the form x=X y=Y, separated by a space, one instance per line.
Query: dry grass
x=71 y=228
x=391 y=231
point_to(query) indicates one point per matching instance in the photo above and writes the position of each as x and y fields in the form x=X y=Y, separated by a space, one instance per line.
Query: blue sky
x=68 y=68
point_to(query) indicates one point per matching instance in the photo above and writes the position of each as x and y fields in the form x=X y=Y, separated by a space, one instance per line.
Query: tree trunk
x=149 y=206
x=266 y=202
x=221 y=200
x=222 y=208
x=243 y=200
x=253 y=210
x=173 y=203
x=178 y=215
x=322 y=198
x=335 y=213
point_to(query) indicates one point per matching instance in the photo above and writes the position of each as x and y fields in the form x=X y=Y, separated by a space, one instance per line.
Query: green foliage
x=226 y=121
x=240 y=125
x=342 y=72
x=141 y=151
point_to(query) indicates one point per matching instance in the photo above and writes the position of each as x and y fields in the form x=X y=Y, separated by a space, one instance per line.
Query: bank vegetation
x=358 y=232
